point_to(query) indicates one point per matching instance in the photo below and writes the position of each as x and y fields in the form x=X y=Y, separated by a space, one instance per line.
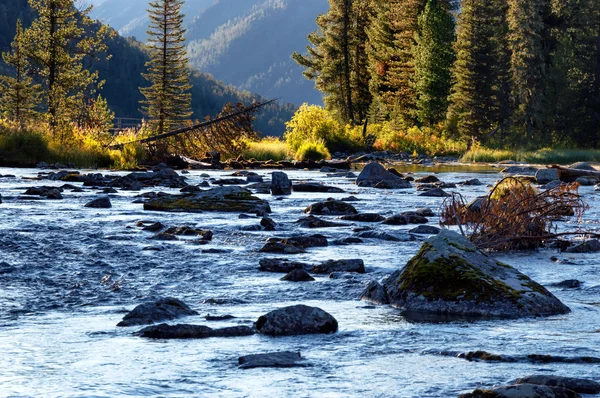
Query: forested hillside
x=246 y=43
x=122 y=74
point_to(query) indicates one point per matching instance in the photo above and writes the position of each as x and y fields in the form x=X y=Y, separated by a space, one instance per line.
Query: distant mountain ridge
x=246 y=43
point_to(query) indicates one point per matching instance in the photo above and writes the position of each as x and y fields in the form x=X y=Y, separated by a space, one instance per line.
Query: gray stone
x=450 y=276
x=268 y=224
x=374 y=293
x=521 y=170
x=331 y=208
x=590 y=246
x=363 y=217
x=435 y=192
x=522 y=391
x=568 y=284
x=164 y=309
x=350 y=265
x=374 y=173
x=425 y=212
x=583 y=386
x=296 y=320
x=280 y=184
x=544 y=176
x=587 y=181
x=405 y=219
x=315 y=187
x=183 y=331
x=100 y=203
x=297 y=275
x=385 y=236
x=425 y=230
x=315 y=222
x=582 y=166
x=281 y=265
x=283 y=359
x=225 y=199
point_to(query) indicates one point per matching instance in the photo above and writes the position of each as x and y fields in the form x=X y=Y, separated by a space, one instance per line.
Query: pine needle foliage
x=19 y=96
x=167 y=100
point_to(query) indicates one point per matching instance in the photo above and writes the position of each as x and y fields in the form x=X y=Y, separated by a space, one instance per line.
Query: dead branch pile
x=227 y=136
x=515 y=215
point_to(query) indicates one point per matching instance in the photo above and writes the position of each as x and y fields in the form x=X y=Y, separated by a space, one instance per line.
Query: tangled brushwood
x=515 y=215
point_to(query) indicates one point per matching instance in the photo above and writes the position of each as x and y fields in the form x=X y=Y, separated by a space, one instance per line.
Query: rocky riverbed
x=70 y=273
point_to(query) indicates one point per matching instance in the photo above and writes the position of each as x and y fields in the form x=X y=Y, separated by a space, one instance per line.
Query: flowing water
x=68 y=274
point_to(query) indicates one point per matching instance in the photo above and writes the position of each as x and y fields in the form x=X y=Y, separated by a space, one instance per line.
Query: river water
x=68 y=274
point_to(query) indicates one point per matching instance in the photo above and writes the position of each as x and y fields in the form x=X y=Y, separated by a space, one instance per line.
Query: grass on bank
x=82 y=148
x=269 y=148
x=540 y=156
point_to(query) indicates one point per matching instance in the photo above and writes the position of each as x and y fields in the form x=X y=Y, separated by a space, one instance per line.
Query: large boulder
x=374 y=173
x=450 y=276
x=295 y=320
x=350 y=265
x=280 y=184
x=100 y=203
x=164 y=309
x=226 y=199
x=523 y=391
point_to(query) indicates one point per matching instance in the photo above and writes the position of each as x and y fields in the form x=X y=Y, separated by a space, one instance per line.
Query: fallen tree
x=515 y=215
x=567 y=174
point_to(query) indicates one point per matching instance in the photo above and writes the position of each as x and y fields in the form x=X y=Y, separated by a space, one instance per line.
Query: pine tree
x=337 y=59
x=19 y=96
x=167 y=100
x=477 y=99
x=527 y=36
x=433 y=55
x=57 y=43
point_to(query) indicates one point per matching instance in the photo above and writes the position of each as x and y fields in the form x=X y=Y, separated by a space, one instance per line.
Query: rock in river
x=331 y=208
x=315 y=187
x=523 y=391
x=183 y=331
x=353 y=265
x=283 y=359
x=315 y=222
x=226 y=199
x=280 y=265
x=280 y=184
x=100 y=203
x=164 y=309
x=450 y=276
x=374 y=173
x=583 y=386
x=298 y=275
x=295 y=320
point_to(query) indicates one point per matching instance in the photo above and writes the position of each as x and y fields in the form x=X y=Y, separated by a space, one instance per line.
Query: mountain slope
x=246 y=43
x=122 y=74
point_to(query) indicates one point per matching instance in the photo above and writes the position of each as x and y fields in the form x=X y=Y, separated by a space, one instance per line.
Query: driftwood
x=567 y=174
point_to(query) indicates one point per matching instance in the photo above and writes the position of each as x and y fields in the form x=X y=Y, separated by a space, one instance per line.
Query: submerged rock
x=283 y=359
x=100 y=203
x=352 y=265
x=583 y=386
x=331 y=208
x=183 y=331
x=164 y=309
x=298 y=275
x=281 y=265
x=385 y=236
x=363 y=217
x=568 y=284
x=280 y=184
x=293 y=245
x=522 y=391
x=315 y=222
x=295 y=320
x=315 y=187
x=226 y=199
x=425 y=230
x=590 y=246
x=405 y=219
x=48 y=192
x=374 y=173
x=450 y=276
x=435 y=192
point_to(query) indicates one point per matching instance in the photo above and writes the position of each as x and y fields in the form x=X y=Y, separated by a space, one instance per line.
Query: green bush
x=23 y=148
x=315 y=150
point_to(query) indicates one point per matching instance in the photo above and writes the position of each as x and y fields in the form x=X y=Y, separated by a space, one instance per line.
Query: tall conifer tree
x=433 y=55
x=527 y=35
x=57 y=43
x=167 y=99
x=19 y=96
x=337 y=60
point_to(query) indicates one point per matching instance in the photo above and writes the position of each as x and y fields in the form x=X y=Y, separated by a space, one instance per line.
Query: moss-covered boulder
x=450 y=276
x=227 y=199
